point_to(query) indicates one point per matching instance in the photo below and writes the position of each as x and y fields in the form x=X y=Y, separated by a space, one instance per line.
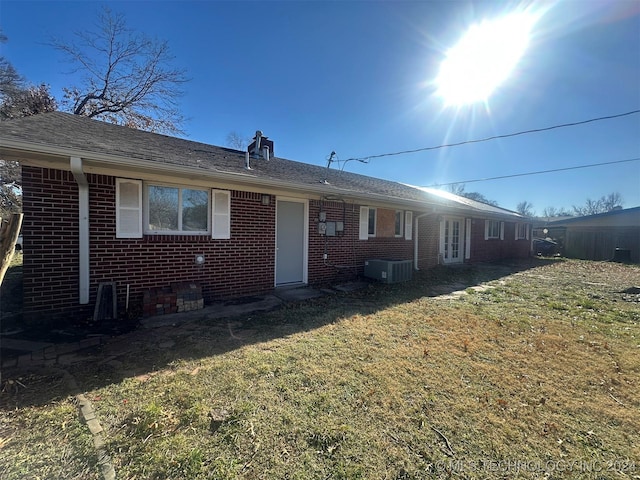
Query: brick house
x=104 y=203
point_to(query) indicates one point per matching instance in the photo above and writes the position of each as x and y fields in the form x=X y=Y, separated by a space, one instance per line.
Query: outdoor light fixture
x=200 y=259
x=266 y=199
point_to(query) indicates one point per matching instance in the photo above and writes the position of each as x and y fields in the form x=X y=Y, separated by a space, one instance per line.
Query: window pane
x=163 y=208
x=372 y=221
x=194 y=210
x=398 y=230
x=494 y=229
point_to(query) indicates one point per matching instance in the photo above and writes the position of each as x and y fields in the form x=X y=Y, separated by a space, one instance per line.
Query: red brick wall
x=50 y=232
x=428 y=241
x=241 y=265
x=346 y=254
x=495 y=249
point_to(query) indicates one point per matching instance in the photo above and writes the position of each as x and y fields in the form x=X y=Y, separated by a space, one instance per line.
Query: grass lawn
x=537 y=375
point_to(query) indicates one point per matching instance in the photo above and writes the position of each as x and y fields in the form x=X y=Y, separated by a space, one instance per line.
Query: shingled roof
x=58 y=132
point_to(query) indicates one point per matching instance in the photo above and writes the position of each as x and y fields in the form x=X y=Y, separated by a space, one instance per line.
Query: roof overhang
x=51 y=156
x=48 y=156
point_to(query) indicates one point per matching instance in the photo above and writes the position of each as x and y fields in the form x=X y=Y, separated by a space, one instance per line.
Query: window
x=176 y=210
x=522 y=231
x=371 y=225
x=170 y=210
x=399 y=224
x=367 y=227
x=493 y=229
x=384 y=223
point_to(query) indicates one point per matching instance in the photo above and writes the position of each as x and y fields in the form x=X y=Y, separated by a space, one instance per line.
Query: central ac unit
x=389 y=271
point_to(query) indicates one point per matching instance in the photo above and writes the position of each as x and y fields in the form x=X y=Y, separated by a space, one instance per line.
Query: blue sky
x=357 y=78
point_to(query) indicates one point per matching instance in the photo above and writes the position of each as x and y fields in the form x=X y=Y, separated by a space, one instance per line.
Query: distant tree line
x=606 y=203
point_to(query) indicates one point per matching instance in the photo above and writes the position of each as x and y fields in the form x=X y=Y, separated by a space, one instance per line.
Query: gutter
x=83 y=227
x=115 y=161
x=128 y=163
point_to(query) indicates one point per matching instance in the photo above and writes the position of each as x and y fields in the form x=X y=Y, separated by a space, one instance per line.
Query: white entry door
x=451 y=237
x=291 y=242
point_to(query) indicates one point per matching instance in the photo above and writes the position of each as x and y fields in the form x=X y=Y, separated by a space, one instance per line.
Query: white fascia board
x=50 y=156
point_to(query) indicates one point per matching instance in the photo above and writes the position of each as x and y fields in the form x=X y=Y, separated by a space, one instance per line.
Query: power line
x=536 y=173
x=535 y=130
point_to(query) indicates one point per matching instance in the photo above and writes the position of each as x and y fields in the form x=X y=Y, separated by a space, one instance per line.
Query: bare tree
x=10 y=80
x=525 y=209
x=604 y=204
x=28 y=101
x=127 y=78
x=17 y=99
x=237 y=141
x=612 y=201
x=459 y=189
x=550 y=212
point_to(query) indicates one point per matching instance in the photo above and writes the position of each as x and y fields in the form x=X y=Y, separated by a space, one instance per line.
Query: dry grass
x=536 y=375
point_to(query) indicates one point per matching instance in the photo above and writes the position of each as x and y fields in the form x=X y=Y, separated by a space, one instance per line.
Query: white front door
x=291 y=241
x=451 y=236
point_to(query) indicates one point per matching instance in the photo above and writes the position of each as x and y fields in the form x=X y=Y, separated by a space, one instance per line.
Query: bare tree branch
x=128 y=78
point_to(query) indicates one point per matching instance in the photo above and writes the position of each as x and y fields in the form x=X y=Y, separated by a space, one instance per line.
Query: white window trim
x=526 y=231
x=146 y=229
x=500 y=236
x=120 y=233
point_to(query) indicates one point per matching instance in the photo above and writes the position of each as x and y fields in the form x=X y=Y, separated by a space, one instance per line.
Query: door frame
x=461 y=239
x=305 y=240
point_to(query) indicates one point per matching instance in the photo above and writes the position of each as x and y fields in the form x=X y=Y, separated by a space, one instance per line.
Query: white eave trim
x=96 y=162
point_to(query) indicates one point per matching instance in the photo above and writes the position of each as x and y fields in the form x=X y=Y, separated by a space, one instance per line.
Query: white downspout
x=83 y=227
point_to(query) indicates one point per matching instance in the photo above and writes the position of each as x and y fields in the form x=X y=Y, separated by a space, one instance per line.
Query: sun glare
x=483 y=58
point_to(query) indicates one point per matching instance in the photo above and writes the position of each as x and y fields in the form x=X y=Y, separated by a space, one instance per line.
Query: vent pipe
x=246 y=161
x=265 y=152
x=256 y=149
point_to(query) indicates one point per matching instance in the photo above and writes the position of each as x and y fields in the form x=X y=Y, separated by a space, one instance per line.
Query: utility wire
x=535 y=173
x=536 y=130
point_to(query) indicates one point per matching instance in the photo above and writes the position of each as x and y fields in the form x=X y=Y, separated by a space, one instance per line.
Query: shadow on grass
x=144 y=351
